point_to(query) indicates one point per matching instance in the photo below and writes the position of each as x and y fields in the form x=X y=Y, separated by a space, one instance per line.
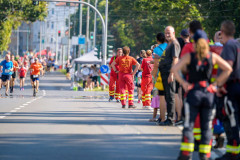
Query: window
x=52 y=25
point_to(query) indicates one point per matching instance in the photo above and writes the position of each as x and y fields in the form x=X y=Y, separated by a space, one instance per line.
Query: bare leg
x=162 y=108
x=23 y=81
x=178 y=107
x=155 y=113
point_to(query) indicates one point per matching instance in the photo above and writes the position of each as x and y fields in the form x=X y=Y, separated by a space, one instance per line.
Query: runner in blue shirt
x=6 y=68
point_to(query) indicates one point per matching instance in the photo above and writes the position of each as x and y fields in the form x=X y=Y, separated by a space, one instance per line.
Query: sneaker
x=179 y=122
x=110 y=99
x=132 y=106
x=123 y=106
x=6 y=94
x=228 y=156
x=168 y=122
x=118 y=101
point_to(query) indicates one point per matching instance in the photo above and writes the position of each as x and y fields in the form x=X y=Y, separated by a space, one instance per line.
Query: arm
x=136 y=68
x=178 y=67
x=171 y=75
x=225 y=66
x=155 y=67
x=113 y=66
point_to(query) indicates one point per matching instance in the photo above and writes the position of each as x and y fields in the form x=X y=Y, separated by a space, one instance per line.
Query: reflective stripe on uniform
x=196 y=130
x=123 y=98
x=204 y=148
x=197 y=137
x=187 y=147
x=233 y=149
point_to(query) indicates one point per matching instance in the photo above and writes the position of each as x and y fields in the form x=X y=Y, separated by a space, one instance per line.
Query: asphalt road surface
x=60 y=124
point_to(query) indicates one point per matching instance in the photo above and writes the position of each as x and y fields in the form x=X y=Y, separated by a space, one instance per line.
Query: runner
x=230 y=92
x=126 y=75
x=22 y=74
x=15 y=68
x=200 y=94
x=6 y=68
x=36 y=67
x=114 y=81
x=147 y=84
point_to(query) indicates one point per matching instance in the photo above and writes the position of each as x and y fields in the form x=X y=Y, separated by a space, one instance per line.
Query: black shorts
x=177 y=87
x=21 y=77
x=31 y=77
x=161 y=93
x=94 y=79
x=5 y=78
x=138 y=85
x=14 y=75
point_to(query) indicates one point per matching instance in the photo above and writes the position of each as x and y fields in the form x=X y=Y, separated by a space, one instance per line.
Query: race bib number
x=7 y=70
x=35 y=76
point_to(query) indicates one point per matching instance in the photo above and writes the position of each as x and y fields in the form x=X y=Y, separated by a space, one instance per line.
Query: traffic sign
x=81 y=40
x=104 y=69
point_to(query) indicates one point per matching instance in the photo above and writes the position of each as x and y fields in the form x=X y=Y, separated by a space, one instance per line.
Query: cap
x=185 y=33
x=200 y=34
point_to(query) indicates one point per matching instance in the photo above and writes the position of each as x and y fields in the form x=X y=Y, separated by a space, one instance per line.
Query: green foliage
x=13 y=12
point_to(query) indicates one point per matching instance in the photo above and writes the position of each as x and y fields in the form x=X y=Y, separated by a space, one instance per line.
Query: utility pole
x=80 y=27
x=69 y=29
x=40 y=46
x=106 y=33
x=87 y=29
x=56 y=50
x=17 y=41
x=95 y=26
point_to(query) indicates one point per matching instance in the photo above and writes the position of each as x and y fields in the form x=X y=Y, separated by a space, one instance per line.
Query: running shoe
x=179 y=122
x=6 y=94
x=118 y=101
x=132 y=107
x=168 y=122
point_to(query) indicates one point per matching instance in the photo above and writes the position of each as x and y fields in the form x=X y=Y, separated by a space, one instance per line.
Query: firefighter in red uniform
x=126 y=75
x=114 y=83
x=147 y=84
x=200 y=94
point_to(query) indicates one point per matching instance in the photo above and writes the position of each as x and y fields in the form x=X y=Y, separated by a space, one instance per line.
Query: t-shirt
x=22 y=72
x=188 y=48
x=15 y=65
x=114 y=74
x=159 y=49
x=139 y=60
x=36 y=68
x=7 y=66
x=147 y=67
x=173 y=50
x=125 y=63
x=231 y=52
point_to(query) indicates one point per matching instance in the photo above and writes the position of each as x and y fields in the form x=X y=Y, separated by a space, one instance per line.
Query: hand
x=221 y=91
x=170 y=78
x=187 y=86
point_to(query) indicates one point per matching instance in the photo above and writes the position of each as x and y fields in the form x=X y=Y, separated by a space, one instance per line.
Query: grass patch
x=63 y=71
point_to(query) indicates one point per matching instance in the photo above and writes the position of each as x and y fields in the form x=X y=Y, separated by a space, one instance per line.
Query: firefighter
x=147 y=84
x=200 y=94
x=126 y=75
x=230 y=92
x=113 y=83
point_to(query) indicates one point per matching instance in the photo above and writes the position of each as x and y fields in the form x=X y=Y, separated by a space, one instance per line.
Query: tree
x=13 y=12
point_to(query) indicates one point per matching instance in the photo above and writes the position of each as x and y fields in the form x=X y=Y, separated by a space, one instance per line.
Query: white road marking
x=2 y=116
x=17 y=108
x=25 y=104
x=29 y=102
x=21 y=106
x=13 y=111
x=7 y=113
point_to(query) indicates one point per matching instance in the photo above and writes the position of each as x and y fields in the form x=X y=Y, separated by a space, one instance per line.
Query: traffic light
x=59 y=33
x=109 y=51
x=35 y=3
x=91 y=35
x=98 y=50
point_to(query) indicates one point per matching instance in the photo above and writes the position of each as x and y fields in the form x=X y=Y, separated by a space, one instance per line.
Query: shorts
x=31 y=77
x=5 y=78
x=161 y=93
x=138 y=85
x=35 y=79
x=14 y=75
x=177 y=87
x=95 y=79
x=21 y=77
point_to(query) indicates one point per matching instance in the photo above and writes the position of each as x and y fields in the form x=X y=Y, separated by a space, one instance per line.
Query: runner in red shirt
x=22 y=75
x=147 y=84
x=113 y=83
x=15 y=68
x=126 y=75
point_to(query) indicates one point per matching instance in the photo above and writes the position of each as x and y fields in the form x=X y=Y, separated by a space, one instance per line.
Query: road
x=60 y=124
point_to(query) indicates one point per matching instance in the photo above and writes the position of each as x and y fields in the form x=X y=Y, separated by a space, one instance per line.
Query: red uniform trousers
x=126 y=81
x=146 y=87
x=114 y=87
